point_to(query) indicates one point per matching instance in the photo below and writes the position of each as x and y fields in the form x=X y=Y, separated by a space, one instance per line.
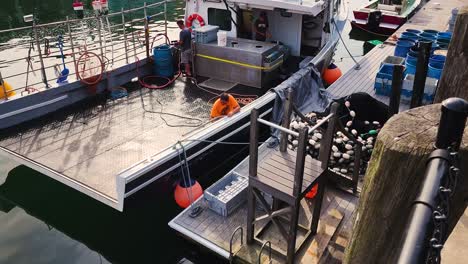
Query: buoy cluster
x=342 y=156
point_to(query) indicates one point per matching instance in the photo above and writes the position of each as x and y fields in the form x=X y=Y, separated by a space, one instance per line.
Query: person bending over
x=226 y=105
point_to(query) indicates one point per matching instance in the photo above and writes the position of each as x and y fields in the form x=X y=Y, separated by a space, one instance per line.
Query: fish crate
x=206 y=34
x=393 y=60
x=227 y=194
x=383 y=80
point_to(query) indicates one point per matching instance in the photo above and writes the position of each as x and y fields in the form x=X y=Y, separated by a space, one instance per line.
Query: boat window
x=220 y=17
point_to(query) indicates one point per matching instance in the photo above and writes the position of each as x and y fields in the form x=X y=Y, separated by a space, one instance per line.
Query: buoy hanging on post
x=185 y=194
x=311 y=194
x=78 y=7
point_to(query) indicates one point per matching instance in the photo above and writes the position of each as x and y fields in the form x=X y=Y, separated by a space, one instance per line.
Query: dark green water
x=43 y=221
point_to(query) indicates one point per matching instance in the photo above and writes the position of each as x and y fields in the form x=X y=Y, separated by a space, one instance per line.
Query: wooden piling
x=454 y=80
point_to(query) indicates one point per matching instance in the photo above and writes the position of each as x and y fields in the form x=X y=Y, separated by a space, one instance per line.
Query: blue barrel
x=410 y=35
x=163 y=64
x=430 y=31
x=435 y=70
x=415 y=31
x=427 y=36
x=445 y=35
x=412 y=58
x=402 y=48
x=443 y=43
x=410 y=67
x=437 y=59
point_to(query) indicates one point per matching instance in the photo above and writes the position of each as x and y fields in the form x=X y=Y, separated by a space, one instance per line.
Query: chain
x=442 y=210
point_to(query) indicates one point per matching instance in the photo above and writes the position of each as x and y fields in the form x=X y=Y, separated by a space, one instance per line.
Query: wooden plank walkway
x=431 y=16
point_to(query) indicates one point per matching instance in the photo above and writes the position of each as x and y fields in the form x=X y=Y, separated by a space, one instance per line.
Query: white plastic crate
x=227 y=193
x=429 y=89
x=206 y=34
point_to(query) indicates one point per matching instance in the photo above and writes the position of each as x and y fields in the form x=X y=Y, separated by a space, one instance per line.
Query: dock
x=430 y=16
x=215 y=232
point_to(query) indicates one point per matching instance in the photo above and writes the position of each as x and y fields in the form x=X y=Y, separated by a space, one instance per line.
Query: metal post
x=397 y=82
x=4 y=88
x=71 y=42
x=98 y=19
x=286 y=120
x=415 y=239
x=125 y=36
x=165 y=18
x=421 y=73
x=146 y=31
x=452 y=123
x=41 y=60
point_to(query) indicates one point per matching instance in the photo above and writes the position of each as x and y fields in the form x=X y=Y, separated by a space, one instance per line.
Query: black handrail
x=426 y=229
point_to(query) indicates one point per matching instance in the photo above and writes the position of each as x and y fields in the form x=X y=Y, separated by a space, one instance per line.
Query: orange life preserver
x=197 y=17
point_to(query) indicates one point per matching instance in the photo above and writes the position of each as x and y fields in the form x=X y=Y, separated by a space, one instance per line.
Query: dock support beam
x=397 y=82
x=253 y=161
x=421 y=73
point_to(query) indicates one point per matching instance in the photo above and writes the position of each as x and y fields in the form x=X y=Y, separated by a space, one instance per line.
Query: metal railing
x=74 y=31
x=427 y=228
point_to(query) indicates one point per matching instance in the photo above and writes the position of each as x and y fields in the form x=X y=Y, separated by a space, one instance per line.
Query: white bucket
x=222 y=38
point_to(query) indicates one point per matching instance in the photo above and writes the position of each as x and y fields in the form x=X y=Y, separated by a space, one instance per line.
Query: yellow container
x=8 y=89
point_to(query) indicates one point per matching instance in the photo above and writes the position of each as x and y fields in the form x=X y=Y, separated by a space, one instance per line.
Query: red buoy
x=331 y=74
x=311 y=194
x=182 y=193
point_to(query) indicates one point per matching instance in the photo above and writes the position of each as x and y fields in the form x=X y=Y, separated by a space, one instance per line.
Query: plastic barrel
x=435 y=70
x=410 y=67
x=437 y=59
x=427 y=36
x=410 y=35
x=443 y=43
x=430 y=31
x=415 y=31
x=163 y=63
x=402 y=48
x=411 y=58
x=445 y=35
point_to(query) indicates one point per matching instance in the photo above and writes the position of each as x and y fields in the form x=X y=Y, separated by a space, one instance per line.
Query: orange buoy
x=331 y=74
x=181 y=193
x=9 y=90
x=311 y=194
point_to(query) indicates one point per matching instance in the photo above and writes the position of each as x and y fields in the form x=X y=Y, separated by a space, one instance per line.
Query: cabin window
x=220 y=17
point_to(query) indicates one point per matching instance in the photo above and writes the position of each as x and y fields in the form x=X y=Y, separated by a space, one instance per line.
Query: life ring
x=193 y=17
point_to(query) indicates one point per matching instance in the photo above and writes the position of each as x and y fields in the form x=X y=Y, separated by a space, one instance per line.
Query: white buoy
x=344 y=171
x=317 y=146
x=318 y=135
x=352 y=113
x=350 y=152
x=366 y=122
x=345 y=139
x=349 y=123
x=346 y=156
x=376 y=123
x=339 y=133
x=347 y=104
x=335 y=148
x=314 y=138
x=348 y=146
x=354 y=132
x=336 y=169
x=312 y=142
x=290 y=146
x=336 y=154
x=295 y=142
x=339 y=140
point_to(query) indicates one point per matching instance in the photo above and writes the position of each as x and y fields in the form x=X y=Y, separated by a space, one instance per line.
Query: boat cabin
x=294 y=30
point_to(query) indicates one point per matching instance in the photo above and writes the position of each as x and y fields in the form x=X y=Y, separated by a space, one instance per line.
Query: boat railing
x=427 y=227
x=117 y=44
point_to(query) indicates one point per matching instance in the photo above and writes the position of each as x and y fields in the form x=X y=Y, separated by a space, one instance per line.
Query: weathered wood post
x=393 y=180
x=454 y=80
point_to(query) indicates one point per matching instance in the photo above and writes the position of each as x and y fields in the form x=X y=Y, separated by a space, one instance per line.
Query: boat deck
x=214 y=231
x=431 y=16
x=92 y=146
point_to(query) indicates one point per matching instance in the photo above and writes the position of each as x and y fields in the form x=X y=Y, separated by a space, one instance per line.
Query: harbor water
x=43 y=221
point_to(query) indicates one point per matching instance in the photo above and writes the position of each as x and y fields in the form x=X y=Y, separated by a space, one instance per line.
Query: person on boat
x=225 y=105
x=185 y=43
x=261 y=27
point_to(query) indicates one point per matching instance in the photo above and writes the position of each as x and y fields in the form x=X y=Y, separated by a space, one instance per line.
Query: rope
x=357 y=67
x=241 y=63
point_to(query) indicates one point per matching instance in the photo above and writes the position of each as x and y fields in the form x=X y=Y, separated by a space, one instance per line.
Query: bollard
x=452 y=123
x=421 y=73
x=397 y=82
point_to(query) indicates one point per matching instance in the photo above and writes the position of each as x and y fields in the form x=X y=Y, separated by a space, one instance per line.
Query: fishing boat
x=95 y=113
x=384 y=16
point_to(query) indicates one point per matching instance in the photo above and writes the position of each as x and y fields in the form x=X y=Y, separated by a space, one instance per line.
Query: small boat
x=383 y=16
